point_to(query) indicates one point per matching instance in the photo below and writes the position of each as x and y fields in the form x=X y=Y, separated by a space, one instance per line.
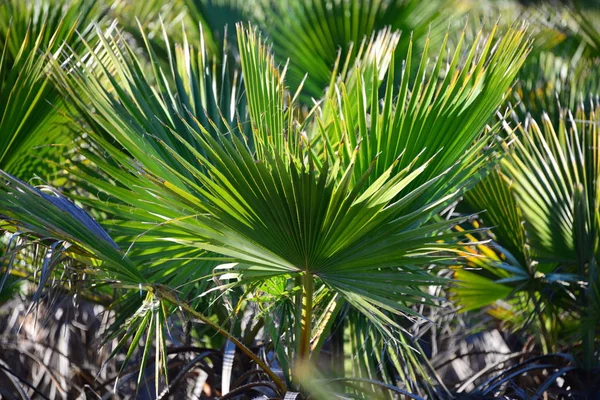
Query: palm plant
x=32 y=118
x=313 y=213
x=293 y=205
x=544 y=204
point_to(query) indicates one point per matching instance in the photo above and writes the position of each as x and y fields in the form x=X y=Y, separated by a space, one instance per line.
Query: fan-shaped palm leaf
x=424 y=118
x=545 y=208
x=554 y=173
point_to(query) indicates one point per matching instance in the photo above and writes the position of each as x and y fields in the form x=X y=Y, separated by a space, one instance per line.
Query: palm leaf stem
x=307 y=306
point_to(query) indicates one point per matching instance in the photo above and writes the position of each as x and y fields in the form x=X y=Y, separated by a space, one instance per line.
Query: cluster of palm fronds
x=299 y=199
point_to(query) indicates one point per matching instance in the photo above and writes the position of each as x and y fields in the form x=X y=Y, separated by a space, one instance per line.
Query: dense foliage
x=299 y=199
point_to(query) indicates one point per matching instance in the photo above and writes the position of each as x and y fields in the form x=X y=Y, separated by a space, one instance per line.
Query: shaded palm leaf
x=30 y=35
x=587 y=26
x=216 y=17
x=544 y=204
x=314 y=33
x=550 y=83
x=156 y=17
x=494 y=195
x=53 y=216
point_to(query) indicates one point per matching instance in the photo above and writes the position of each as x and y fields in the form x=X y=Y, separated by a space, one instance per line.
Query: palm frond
x=44 y=215
x=425 y=118
x=31 y=109
x=313 y=34
x=554 y=174
x=549 y=84
x=542 y=210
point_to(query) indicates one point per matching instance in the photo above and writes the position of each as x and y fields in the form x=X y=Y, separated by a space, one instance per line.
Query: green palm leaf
x=442 y=114
x=554 y=175
x=314 y=33
x=31 y=111
x=543 y=211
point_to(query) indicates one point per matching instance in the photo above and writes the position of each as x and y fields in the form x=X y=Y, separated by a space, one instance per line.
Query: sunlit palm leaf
x=186 y=94
x=475 y=291
x=443 y=112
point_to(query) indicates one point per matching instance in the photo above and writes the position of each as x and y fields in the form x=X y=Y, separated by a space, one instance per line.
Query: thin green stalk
x=307 y=308
x=546 y=340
